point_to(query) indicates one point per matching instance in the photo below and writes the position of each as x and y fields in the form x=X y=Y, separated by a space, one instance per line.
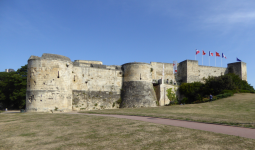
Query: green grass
x=238 y=110
x=71 y=131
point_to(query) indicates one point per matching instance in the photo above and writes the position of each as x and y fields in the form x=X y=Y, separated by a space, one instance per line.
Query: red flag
x=218 y=54
x=204 y=52
x=197 y=51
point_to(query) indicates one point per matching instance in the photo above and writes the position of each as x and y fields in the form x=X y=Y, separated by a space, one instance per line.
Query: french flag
x=223 y=56
x=197 y=51
x=210 y=54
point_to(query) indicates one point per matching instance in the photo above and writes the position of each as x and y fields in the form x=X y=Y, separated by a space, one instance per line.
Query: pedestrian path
x=237 y=131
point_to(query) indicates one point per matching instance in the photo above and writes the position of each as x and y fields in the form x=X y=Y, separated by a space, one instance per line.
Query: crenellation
x=54 y=81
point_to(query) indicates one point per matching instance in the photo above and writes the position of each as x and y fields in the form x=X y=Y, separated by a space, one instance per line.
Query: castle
x=54 y=82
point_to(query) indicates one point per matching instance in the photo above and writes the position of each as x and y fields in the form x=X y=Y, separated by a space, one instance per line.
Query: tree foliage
x=214 y=85
x=171 y=94
x=13 y=88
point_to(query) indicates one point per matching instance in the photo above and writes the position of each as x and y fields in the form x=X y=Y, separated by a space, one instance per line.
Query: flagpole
x=215 y=59
x=195 y=55
x=202 y=58
x=209 y=59
x=221 y=61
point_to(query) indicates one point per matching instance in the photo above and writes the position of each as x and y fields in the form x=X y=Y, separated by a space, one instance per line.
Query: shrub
x=215 y=98
x=157 y=103
x=118 y=101
x=192 y=91
x=228 y=91
x=245 y=91
x=185 y=100
x=56 y=109
x=219 y=96
x=222 y=86
x=171 y=94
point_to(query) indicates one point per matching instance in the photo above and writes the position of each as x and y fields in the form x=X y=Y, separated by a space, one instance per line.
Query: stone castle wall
x=137 y=89
x=48 y=83
x=55 y=82
x=157 y=70
x=96 y=86
x=238 y=68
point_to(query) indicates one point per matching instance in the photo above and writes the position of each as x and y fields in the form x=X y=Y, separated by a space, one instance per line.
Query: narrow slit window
x=58 y=74
x=140 y=76
x=74 y=78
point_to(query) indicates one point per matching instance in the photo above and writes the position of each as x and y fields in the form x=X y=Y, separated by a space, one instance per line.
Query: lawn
x=71 y=131
x=238 y=110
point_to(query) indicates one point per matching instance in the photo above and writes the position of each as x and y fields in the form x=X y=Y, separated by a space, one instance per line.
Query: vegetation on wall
x=229 y=83
x=171 y=95
x=13 y=89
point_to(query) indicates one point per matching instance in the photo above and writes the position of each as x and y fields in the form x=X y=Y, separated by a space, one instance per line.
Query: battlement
x=88 y=62
x=51 y=57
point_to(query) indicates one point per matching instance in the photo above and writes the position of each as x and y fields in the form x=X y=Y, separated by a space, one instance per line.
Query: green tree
x=13 y=88
x=171 y=94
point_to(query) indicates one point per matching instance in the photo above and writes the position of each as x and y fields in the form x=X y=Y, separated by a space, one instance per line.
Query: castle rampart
x=238 y=68
x=48 y=83
x=96 y=86
x=137 y=89
x=55 y=82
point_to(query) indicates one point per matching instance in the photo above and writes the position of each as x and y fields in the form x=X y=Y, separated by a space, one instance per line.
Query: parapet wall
x=189 y=71
x=205 y=71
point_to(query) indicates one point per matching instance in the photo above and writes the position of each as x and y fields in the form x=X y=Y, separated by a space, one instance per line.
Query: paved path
x=237 y=131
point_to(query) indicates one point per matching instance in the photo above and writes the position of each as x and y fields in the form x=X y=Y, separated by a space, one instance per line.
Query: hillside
x=237 y=110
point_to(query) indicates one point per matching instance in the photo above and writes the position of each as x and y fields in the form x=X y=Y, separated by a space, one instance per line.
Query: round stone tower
x=137 y=89
x=48 y=83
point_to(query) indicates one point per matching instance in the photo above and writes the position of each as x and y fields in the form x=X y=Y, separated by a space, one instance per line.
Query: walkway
x=237 y=131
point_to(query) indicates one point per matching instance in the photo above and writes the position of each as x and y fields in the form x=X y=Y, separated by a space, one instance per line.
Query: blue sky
x=120 y=31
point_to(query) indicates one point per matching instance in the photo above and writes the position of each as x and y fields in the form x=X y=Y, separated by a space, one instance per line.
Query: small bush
x=215 y=98
x=185 y=100
x=245 y=91
x=118 y=101
x=228 y=91
x=205 y=99
x=56 y=109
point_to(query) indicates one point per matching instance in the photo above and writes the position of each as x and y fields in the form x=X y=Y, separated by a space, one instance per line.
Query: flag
x=223 y=56
x=204 y=52
x=197 y=51
x=217 y=54
x=237 y=59
x=175 y=67
x=210 y=54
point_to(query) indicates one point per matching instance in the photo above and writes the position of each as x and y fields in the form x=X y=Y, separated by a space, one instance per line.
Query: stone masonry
x=54 y=82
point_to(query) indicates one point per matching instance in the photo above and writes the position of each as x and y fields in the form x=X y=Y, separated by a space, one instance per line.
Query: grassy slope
x=67 y=131
x=238 y=110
